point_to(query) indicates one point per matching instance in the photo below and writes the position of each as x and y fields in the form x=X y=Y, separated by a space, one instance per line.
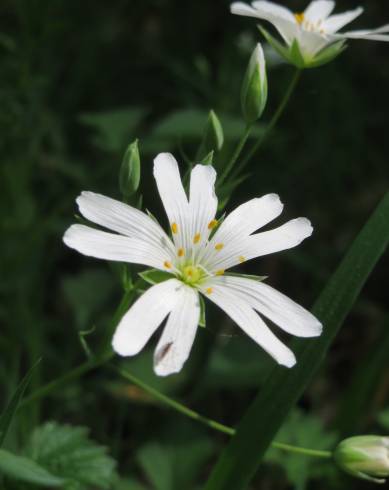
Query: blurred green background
x=79 y=82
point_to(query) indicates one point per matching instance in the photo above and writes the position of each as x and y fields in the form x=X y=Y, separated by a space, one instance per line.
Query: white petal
x=273 y=10
x=336 y=22
x=122 y=218
x=379 y=34
x=244 y=315
x=284 y=237
x=145 y=316
x=277 y=307
x=202 y=201
x=318 y=10
x=174 y=346
x=281 y=17
x=174 y=199
x=312 y=42
x=103 y=245
x=244 y=220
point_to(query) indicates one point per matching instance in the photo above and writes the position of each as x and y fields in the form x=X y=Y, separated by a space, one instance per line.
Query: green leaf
x=256 y=430
x=27 y=470
x=67 y=452
x=9 y=412
x=155 y=276
x=304 y=431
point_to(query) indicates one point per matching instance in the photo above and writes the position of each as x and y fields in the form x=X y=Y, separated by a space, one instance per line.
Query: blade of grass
x=10 y=410
x=240 y=459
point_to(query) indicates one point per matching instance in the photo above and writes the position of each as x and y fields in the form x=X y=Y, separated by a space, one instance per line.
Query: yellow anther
x=219 y=272
x=180 y=252
x=299 y=17
x=167 y=264
x=209 y=290
x=242 y=259
x=197 y=238
x=212 y=224
x=219 y=246
x=174 y=228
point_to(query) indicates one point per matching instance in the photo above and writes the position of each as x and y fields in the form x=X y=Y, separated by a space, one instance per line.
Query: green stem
x=105 y=355
x=227 y=169
x=213 y=424
x=272 y=123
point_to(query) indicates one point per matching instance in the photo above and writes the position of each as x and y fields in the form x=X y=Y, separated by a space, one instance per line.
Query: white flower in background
x=197 y=257
x=312 y=33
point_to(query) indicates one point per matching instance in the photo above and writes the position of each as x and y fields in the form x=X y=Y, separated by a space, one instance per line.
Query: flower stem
x=234 y=157
x=276 y=116
x=213 y=424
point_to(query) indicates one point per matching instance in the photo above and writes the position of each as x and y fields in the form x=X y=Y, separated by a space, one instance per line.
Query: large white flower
x=314 y=29
x=197 y=256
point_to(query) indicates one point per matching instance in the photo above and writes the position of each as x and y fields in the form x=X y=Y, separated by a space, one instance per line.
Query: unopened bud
x=365 y=457
x=129 y=176
x=254 y=87
x=213 y=137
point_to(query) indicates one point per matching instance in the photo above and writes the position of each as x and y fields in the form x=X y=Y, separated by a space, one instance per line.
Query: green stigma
x=192 y=274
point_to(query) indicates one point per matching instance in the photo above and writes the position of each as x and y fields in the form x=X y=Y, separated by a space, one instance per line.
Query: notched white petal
x=145 y=316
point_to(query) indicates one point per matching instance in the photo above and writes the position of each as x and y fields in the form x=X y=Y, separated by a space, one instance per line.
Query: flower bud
x=365 y=457
x=213 y=137
x=129 y=175
x=254 y=87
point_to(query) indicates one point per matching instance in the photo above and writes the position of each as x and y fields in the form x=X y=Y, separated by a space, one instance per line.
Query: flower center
x=192 y=274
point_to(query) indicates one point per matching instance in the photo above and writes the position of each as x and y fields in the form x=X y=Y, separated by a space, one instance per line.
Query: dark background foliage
x=81 y=80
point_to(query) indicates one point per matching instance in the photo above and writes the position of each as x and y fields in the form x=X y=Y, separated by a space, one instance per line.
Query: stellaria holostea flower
x=312 y=36
x=196 y=259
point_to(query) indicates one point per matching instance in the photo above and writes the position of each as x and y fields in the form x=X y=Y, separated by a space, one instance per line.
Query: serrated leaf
x=155 y=276
x=67 y=452
x=9 y=412
x=26 y=470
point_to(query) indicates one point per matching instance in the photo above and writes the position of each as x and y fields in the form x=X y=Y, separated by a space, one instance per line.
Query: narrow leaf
x=7 y=416
x=256 y=430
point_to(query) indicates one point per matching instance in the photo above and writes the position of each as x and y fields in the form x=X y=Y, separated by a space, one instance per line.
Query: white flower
x=197 y=257
x=314 y=29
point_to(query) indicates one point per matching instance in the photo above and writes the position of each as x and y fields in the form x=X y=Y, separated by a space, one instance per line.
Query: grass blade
x=7 y=416
x=256 y=430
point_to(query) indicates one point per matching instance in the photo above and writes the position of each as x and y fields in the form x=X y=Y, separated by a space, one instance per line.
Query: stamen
x=220 y=272
x=299 y=16
x=242 y=259
x=209 y=290
x=219 y=246
x=197 y=238
x=180 y=252
x=212 y=224
x=174 y=228
x=167 y=264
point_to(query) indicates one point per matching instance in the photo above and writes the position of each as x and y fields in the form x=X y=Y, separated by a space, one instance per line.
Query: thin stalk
x=234 y=157
x=213 y=424
x=91 y=364
x=272 y=123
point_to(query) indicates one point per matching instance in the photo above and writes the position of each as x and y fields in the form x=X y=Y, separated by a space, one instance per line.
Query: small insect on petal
x=197 y=238
x=163 y=352
x=174 y=228
x=219 y=246
x=212 y=224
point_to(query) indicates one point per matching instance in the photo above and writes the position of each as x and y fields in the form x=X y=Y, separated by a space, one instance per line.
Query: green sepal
x=208 y=159
x=280 y=48
x=254 y=87
x=296 y=55
x=154 y=276
x=328 y=54
x=202 y=312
